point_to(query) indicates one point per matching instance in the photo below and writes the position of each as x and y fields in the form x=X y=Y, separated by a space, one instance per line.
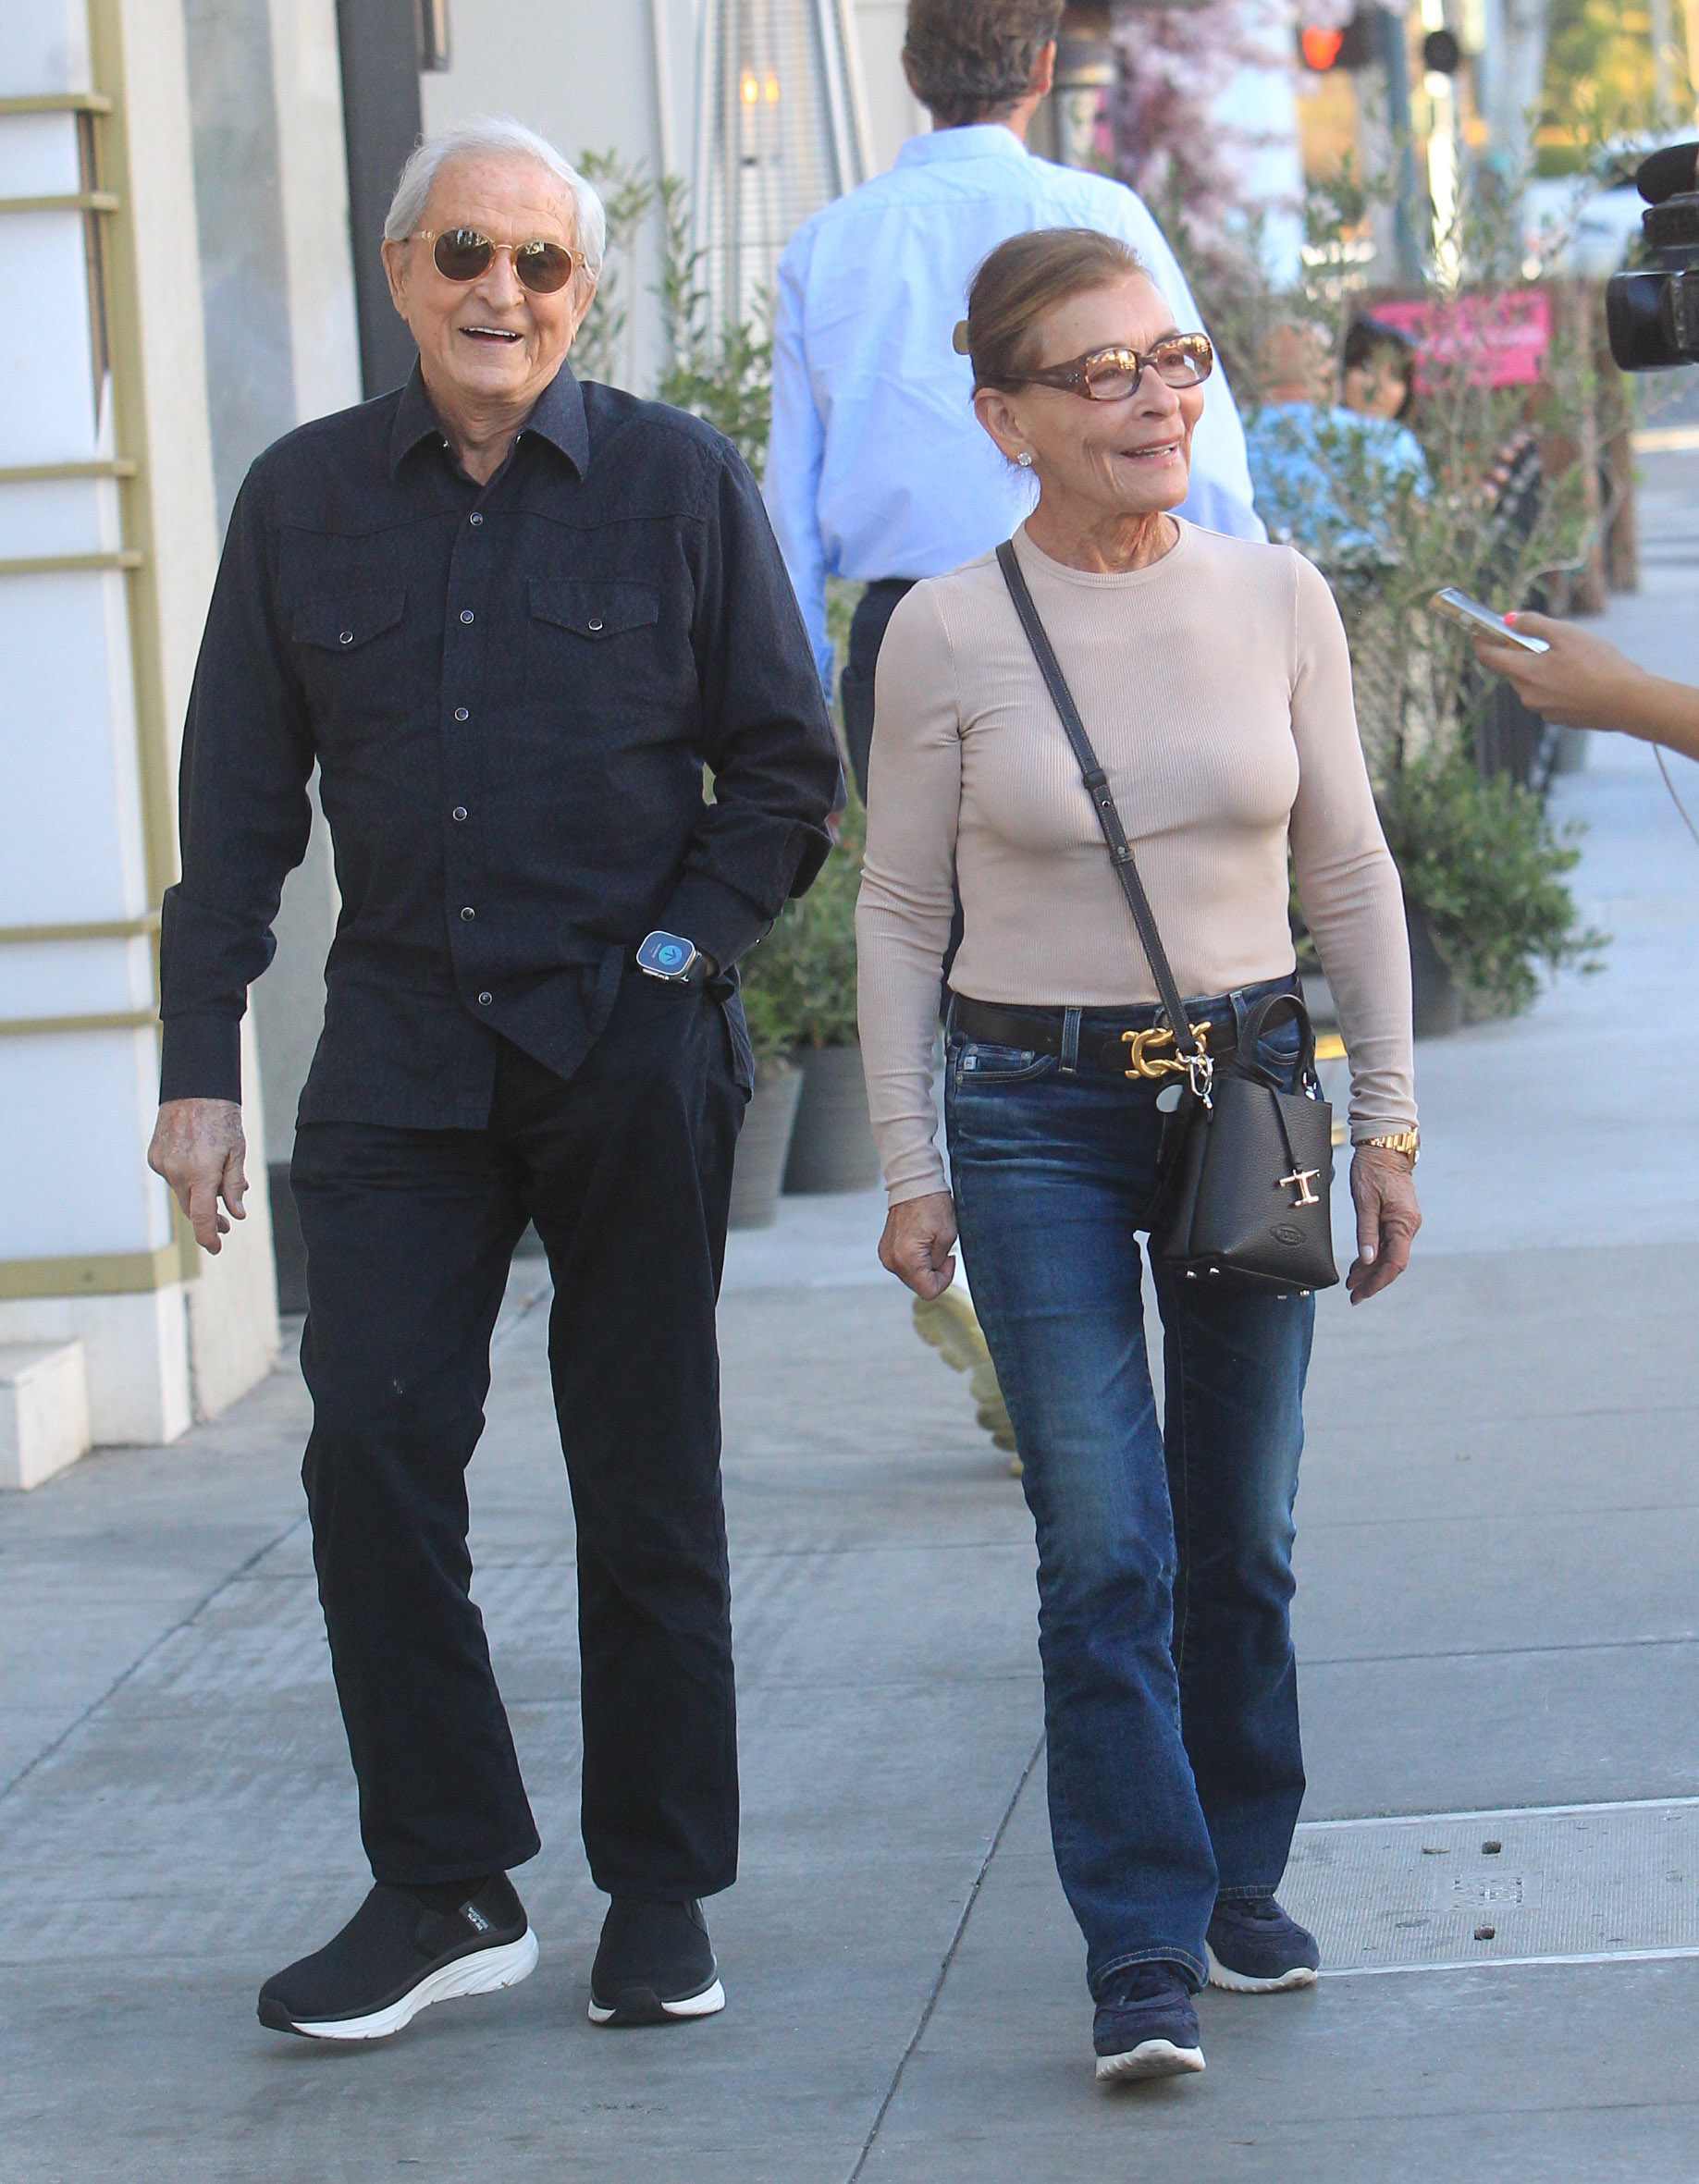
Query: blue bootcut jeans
x=1165 y=1551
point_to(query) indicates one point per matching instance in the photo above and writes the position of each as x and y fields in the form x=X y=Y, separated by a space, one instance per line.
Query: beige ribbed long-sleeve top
x=1216 y=687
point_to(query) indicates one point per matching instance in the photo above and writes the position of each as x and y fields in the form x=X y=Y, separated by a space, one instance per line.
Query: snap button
x=465 y=614
x=460 y=713
x=469 y=911
x=459 y=811
x=485 y=999
x=476 y=519
x=345 y=636
x=596 y=624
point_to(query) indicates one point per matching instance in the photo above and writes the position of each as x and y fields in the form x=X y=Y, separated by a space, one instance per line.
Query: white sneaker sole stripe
x=705 y=2004
x=1150 y=2058
x=1238 y=1982
x=485 y=1971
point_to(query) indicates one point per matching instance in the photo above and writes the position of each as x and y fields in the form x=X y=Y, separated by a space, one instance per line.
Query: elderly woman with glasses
x=1212 y=677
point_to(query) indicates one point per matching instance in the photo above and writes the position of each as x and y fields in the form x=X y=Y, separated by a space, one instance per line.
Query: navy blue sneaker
x=1145 y=2025
x=1255 y=1949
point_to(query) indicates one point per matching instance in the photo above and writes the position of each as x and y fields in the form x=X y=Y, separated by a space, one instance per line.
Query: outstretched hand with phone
x=1582 y=680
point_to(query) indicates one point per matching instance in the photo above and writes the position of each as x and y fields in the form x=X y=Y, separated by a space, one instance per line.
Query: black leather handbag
x=1246 y=1166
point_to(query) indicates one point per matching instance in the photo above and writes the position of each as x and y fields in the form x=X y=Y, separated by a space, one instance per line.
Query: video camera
x=1653 y=313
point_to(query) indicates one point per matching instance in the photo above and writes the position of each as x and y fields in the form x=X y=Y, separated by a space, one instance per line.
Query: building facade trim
x=104 y=929
x=108 y=1273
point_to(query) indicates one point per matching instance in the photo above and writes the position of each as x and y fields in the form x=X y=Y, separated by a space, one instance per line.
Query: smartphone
x=1458 y=606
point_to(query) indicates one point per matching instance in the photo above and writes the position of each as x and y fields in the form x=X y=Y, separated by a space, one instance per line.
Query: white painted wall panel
x=44 y=46
x=38 y=155
x=70 y=832
x=75 y=977
x=47 y=397
x=58 y=516
x=76 y=1139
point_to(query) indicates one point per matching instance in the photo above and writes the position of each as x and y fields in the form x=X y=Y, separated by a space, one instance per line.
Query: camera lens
x=1638 y=340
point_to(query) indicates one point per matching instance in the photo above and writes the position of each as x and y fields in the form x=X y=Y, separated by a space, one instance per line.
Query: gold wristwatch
x=1401 y=1141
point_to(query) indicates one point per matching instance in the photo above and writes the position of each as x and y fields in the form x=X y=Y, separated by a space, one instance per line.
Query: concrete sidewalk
x=1499 y=1536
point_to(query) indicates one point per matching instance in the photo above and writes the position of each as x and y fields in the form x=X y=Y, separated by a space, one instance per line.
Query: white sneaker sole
x=485 y=1971
x=1236 y=1983
x=1150 y=2058
x=707 y=2004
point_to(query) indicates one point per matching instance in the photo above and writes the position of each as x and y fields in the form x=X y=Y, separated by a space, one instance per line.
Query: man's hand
x=918 y=1243
x=1580 y=682
x=1383 y=1191
x=199 y=1149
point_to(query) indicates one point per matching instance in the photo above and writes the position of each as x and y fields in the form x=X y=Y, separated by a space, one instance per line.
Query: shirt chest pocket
x=593 y=643
x=347 y=645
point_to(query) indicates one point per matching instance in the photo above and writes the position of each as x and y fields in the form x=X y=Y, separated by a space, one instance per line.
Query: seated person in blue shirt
x=1329 y=475
x=878 y=470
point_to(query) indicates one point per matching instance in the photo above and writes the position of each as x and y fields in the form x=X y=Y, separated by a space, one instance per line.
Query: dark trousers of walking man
x=626 y=1168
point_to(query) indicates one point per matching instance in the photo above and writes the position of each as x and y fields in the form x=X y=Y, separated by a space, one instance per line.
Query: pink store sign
x=1501 y=340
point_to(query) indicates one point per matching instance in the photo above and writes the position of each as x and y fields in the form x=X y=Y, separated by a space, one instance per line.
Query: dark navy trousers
x=626 y=1168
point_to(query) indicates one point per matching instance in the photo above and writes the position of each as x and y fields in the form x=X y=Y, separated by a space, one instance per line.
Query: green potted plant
x=802 y=977
x=1483 y=867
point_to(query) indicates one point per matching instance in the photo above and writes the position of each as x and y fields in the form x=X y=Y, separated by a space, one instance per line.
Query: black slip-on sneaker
x=1146 y=2026
x=655 y=1965
x=1254 y=1949
x=398 y=1955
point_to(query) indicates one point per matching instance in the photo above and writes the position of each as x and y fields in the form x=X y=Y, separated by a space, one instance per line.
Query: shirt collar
x=975 y=139
x=558 y=417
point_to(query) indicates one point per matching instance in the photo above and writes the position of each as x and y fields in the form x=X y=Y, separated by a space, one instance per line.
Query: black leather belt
x=1128 y=1042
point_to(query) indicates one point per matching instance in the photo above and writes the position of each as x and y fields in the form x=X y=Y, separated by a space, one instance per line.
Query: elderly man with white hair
x=511 y=619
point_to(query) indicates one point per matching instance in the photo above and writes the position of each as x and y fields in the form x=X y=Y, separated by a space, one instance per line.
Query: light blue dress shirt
x=877 y=465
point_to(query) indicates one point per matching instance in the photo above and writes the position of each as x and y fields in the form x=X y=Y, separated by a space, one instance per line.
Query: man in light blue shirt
x=878 y=470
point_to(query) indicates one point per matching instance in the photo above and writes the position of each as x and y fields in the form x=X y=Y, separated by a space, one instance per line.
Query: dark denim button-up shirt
x=511 y=692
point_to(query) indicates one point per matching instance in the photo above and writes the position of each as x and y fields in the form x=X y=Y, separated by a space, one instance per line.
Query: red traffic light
x=1361 y=44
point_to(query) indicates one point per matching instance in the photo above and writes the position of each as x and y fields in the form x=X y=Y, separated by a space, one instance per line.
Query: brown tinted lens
x=1112 y=376
x=461 y=253
x=1185 y=363
x=543 y=267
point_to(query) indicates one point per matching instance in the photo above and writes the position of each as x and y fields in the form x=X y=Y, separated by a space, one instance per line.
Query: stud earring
x=1024 y=459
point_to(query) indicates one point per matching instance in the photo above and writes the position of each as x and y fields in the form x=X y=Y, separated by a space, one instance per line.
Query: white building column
x=106 y=554
x=283 y=346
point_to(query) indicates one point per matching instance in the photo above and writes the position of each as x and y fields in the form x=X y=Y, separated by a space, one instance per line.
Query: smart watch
x=671 y=957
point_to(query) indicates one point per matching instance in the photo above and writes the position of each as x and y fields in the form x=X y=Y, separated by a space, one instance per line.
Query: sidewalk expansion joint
x=919 y=2033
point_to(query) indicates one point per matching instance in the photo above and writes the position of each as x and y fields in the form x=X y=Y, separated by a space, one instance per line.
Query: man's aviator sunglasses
x=466 y=253
x=1111 y=374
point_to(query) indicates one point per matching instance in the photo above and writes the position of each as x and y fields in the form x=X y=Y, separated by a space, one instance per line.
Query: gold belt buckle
x=1142 y=1063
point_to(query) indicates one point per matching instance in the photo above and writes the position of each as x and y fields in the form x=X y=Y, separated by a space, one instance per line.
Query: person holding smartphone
x=1582 y=680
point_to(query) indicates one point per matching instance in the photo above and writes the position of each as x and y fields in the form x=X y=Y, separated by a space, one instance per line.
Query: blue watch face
x=666 y=954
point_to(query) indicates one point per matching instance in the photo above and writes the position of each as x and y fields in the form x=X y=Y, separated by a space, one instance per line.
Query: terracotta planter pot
x=763 y=1146
x=1436 y=1003
x=833 y=1147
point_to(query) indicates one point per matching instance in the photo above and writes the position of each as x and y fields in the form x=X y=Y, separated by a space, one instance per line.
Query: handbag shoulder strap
x=1102 y=799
